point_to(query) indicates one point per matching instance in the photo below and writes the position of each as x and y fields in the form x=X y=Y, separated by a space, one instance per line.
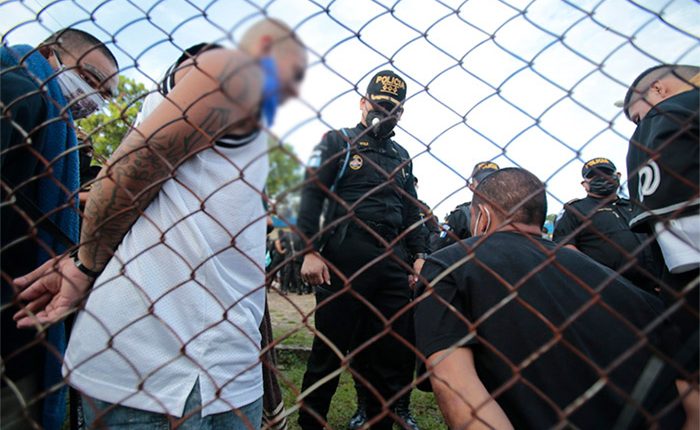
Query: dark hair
x=516 y=193
x=73 y=38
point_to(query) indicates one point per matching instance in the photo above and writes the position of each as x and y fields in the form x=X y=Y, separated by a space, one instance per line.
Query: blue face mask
x=271 y=89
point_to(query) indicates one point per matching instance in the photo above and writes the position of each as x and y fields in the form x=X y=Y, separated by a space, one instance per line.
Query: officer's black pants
x=345 y=321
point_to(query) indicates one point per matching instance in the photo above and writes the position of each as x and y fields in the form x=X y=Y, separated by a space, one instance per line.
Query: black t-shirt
x=663 y=164
x=21 y=134
x=509 y=302
x=606 y=237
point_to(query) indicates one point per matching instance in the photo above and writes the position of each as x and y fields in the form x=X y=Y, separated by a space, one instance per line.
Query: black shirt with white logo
x=663 y=161
x=545 y=328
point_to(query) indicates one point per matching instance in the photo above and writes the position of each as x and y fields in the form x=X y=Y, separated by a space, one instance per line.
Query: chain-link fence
x=425 y=265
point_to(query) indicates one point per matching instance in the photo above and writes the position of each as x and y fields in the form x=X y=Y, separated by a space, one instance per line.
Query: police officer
x=431 y=227
x=456 y=226
x=598 y=226
x=366 y=180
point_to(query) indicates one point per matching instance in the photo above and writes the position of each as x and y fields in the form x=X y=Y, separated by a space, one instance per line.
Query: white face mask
x=82 y=98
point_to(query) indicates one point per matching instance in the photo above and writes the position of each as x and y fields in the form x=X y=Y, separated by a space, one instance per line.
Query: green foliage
x=286 y=171
x=284 y=180
x=106 y=129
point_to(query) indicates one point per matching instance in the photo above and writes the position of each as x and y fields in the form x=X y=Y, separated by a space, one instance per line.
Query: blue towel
x=59 y=149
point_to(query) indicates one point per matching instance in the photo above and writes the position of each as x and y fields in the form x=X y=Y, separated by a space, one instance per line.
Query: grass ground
x=344 y=402
x=292 y=316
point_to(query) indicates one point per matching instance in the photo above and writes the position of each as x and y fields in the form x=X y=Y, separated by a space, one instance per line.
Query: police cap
x=387 y=86
x=598 y=166
x=483 y=169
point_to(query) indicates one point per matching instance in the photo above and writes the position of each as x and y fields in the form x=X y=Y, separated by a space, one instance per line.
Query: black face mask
x=380 y=124
x=603 y=186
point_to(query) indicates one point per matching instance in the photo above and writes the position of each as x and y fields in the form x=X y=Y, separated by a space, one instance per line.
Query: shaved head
x=266 y=35
x=77 y=42
x=273 y=38
x=655 y=85
x=87 y=55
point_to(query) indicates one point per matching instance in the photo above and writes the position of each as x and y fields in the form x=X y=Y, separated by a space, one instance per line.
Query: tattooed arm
x=221 y=95
x=198 y=110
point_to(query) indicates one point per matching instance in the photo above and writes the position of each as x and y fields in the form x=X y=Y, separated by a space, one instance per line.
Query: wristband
x=79 y=264
x=421 y=256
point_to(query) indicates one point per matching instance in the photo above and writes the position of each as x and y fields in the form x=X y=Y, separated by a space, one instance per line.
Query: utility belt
x=387 y=232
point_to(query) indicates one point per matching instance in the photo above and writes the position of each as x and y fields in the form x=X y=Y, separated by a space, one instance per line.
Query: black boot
x=402 y=410
x=359 y=418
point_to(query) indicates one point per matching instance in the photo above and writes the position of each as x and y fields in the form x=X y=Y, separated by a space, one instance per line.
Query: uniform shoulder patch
x=314 y=160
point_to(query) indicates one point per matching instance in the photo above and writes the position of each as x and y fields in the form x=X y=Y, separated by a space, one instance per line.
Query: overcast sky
x=527 y=83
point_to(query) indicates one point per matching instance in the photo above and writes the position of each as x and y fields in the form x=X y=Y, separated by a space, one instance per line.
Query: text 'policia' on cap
x=595 y=164
x=387 y=86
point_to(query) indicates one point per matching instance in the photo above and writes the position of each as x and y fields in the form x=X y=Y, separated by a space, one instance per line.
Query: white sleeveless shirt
x=183 y=297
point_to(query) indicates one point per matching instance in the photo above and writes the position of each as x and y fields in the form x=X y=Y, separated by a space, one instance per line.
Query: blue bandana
x=271 y=90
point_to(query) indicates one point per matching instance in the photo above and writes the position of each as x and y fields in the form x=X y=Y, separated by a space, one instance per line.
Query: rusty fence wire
x=336 y=214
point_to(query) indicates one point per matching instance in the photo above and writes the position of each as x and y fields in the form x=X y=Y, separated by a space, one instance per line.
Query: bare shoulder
x=238 y=75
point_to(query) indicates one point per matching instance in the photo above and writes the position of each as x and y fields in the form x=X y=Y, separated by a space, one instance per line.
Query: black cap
x=387 y=86
x=599 y=166
x=483 y=169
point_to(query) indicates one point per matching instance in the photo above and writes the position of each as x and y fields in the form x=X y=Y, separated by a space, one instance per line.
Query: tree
x=284 y=180
x=107 y=128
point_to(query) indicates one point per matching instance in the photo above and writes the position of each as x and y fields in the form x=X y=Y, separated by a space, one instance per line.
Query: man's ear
x=265 y=45
x=659 y=87
x=45 y=51
x=363 y=102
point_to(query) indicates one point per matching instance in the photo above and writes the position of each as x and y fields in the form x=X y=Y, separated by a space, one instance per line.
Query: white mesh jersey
x=183 y=297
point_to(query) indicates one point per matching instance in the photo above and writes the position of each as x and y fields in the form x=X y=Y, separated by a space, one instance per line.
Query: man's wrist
x=420 y=256
x=81 y=266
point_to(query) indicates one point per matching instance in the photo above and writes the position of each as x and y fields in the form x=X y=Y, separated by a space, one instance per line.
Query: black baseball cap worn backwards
x=387 y=86
x=598 y=166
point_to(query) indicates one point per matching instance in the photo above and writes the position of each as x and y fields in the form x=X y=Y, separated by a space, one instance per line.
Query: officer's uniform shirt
x=377 y=185
x=456 y=224
x=608 y=227
x=431 y=226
